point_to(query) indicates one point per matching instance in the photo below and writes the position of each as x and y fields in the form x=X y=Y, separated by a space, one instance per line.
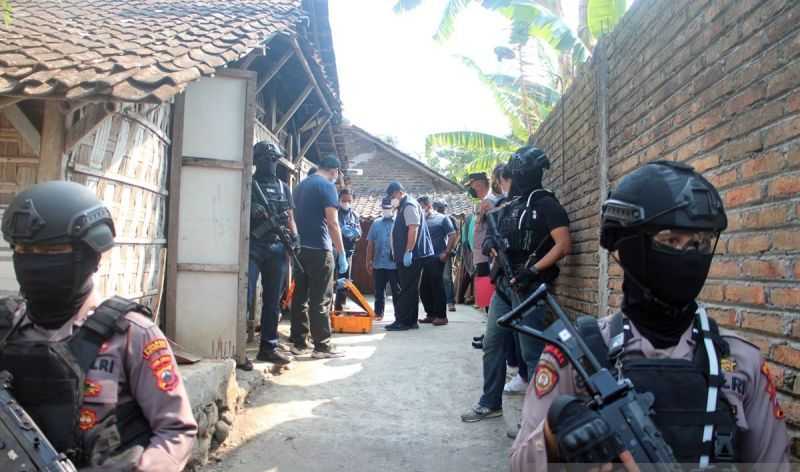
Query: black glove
x=488 y=244
x=125 y=461
x=524 y=277
x=259 y=210
x=583 y=436
x=294 y=241
x=102 y=440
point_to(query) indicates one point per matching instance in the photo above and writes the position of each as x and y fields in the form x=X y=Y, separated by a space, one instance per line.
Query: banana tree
x=459 y=153
x=5 y=10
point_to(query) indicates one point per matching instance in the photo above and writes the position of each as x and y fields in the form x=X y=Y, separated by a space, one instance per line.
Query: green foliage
x=457 y=163
x=603 y=15
x=5 y=8
x=529 y=20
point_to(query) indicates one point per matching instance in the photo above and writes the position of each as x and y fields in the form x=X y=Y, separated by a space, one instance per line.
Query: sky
x=397 y=81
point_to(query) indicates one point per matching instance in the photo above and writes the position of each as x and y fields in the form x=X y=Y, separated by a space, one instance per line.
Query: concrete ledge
x=216 y=395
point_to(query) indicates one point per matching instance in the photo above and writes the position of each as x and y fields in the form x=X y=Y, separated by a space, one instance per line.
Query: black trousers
x=408 y=301
x=431 y=291
x=381 y=277
x=311 y=302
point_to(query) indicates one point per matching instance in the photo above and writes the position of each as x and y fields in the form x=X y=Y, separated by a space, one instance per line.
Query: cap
x=476 y=176
x=386 y=203
x=424 y=200
x=395 y=187
x=329 y=162
x=439 y=205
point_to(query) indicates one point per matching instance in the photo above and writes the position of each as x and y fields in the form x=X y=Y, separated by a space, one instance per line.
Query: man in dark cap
x=317 y=205
x=379 y=258
x=411 y=244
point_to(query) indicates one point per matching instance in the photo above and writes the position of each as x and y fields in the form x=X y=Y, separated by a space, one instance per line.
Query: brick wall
x=715 y=84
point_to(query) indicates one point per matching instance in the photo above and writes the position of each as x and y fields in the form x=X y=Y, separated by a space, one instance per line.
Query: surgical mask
x=54 y=289
x=344 y=205
x=472 y=193
x=395 y=202
x=388 y=213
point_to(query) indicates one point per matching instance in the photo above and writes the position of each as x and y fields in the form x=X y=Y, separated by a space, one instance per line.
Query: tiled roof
x=369 y=206
x=130 y=50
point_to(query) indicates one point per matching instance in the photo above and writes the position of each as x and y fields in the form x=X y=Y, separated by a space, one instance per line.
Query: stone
x=222 y=431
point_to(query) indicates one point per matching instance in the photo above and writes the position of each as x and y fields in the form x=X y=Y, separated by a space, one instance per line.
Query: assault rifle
x=25 y=448
x=627 y=412
x=271 y=223
x=501 y=259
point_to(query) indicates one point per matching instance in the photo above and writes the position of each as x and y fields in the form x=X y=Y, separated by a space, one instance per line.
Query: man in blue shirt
x=350 y=224
x=411 y=245
x=379 y=258
x=443 y=238
x=317 y=219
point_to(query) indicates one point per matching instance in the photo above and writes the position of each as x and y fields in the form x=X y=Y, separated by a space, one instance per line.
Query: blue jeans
x=449 y=290
x=496 y=344
x=270 y=261
x=381 y=277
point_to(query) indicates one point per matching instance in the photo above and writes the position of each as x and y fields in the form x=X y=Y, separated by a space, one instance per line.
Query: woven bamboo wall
x=125 y=162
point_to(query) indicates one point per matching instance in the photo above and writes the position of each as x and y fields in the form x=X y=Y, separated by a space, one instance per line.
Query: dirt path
x=392 y=404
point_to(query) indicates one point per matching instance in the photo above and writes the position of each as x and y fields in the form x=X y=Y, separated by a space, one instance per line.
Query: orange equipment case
x=359 y=322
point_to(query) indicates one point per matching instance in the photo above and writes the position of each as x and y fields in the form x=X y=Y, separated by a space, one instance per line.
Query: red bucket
x=484 y=289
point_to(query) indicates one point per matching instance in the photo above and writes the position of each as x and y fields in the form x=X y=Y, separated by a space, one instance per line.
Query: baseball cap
x=386 y=203
x=394 y=187
x=476 y=176
x=329 y=162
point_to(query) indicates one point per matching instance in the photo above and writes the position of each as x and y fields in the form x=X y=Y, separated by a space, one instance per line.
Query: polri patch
x=154 y=346
x=728 y=364
x=557 y=354
x=91 y=388
x=545 y=379
x=87 y=419
x=772 y=391
x=164 y=371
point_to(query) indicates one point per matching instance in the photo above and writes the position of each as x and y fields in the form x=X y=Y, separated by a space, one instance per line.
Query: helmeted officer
x=98 y=377
x=536 y=228
x=714 y=398
x=267 y=254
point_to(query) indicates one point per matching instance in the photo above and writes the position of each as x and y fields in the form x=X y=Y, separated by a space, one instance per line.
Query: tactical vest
x=423 y=246
x=527 y=233
x=48 y=377
x=278 y=198
x=691 y=412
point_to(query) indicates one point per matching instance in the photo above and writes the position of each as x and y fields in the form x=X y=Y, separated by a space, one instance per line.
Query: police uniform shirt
x=748 y=388
x=137 y=366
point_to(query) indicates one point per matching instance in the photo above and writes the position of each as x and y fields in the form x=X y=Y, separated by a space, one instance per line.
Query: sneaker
x=329 y=354
x=397 y=327
x=478 y=339
x=274 y=356
x=427 y=319
x=378 y=317
x=515 y=386
x=513 y=431
x=299 y=351
x=246 y=366
x=286 y=348
x=439 y=321
x=451 y=307
x=479 y=412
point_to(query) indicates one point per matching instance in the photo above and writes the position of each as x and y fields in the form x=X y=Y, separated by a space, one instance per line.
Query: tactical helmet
x=59 y=212
x=661 y=195
x=527 y=167
x=266 y=149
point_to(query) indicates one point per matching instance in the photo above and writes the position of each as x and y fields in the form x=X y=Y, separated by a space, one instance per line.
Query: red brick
x=784 y=80
x=724 y=317
x=788 y=297
x=766 y=322
x=753 y=295
x=724 y=269
x=723 y=179
x=752 y=244
x=786 y=355
x=785 y=186
x=793 y=104
x=791 y=410
x=768 y=163
x=714 y=138
x=705 y=163
x=739 y=196
x=783 y=131
x=797 y=269
x=793 y=156
x=764 y=218
x=787 y=240
x=742 y=101
x=772 y=269
x=712 y=293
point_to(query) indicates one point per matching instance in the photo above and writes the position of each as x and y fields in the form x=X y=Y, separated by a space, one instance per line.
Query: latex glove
x=342 y=265
x=582 y=435
x=407 y=257
x=340 y=284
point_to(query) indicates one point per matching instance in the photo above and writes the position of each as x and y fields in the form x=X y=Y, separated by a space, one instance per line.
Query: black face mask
x=266 y=167
x=55 y=285
x=472 y=193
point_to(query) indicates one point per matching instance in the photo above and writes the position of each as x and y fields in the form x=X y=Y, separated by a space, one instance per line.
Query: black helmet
x=526 y=167
x=661 y=195
x=59 y=212
x=266 y=149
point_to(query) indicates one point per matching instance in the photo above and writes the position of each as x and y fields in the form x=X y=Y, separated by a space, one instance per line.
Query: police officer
x=350 y=223
x=267 y=254
x=536 y=227
x=98 y=377
x=663 y=221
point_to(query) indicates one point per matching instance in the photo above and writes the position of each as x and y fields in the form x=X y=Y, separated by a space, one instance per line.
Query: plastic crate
x=356 y=322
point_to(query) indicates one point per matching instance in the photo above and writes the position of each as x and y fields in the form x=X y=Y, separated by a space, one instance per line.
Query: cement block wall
x=716 y=84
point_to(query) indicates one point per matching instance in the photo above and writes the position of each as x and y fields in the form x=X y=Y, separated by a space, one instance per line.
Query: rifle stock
x=271 y=224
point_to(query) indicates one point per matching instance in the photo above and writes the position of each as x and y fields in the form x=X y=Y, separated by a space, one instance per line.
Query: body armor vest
x=48 y=377
x=278 y=199
x=691 y=412
x=521 y=225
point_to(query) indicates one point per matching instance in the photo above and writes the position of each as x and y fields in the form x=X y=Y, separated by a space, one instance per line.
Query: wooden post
x=295 y=106
x=52 y=148
x=314 y=137
x=175 y=164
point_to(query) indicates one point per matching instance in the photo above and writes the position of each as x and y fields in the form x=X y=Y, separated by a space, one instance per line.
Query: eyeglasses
x=682 y=241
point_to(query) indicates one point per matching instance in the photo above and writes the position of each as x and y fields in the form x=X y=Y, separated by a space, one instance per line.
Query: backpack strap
x=108 y=319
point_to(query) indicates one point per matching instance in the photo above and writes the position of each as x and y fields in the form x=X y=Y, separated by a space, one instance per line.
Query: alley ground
x=392 y=404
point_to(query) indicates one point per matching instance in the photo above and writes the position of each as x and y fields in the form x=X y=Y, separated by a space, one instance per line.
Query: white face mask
x=395 y=202
x=388 y=213
x=344 y=205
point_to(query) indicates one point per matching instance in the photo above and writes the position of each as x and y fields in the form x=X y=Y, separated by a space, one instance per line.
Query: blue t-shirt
x=380 y=233
x=311 y=197
x=440 y=227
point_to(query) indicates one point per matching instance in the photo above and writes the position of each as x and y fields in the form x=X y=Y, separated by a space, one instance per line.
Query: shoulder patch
x=728 y=364
x=772 y=391
x=556 y=353
x=545 y=379
x=164 y=371
x=154 y=346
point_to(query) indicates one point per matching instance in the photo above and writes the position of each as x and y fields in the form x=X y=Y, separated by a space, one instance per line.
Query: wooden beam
x=52 y=147
x=293 y=109
x=299 y=52
x=91 y=118
x=309 y=124
x=273 y=71
x=176 y=158
x=8 y=101
x=314 y=137
x=24 y=126
x=273 y=110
